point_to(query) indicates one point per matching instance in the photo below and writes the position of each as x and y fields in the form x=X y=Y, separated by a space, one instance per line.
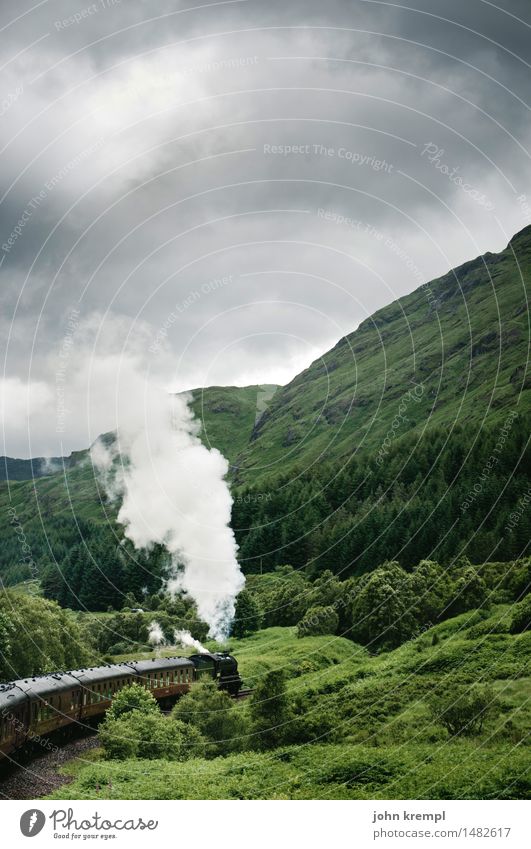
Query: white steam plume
x=185 y=640
x=156 y=634
x=172 y=489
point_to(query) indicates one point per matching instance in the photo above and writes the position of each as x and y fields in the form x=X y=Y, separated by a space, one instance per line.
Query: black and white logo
x=31 y=822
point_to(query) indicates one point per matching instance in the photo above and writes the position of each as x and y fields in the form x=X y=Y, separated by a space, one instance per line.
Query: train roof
x=144 y=667
x=41 y=686
x=94 y=674
x=44 y=685
x=11 y=697
x=15 y=692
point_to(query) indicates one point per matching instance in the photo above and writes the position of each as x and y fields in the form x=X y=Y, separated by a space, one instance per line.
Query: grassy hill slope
x=459 y=345
x=228 y=415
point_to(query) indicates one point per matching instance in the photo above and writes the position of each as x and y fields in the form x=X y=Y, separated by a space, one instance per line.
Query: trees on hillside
x=248 y=615
x=430 y=499
x=41 y=637
x=271 y=711
x=318 y=620
x=383 y=612
x=215 y=716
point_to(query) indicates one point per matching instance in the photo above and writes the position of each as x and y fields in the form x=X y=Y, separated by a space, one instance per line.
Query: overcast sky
x=222 y=190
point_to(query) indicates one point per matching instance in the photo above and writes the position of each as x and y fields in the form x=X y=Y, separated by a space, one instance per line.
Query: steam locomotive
x=33 y=708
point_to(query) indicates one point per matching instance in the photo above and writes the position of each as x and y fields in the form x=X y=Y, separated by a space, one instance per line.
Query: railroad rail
x=244 y=694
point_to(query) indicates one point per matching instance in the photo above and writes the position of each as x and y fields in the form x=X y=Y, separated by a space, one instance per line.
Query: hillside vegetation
x=454 y=352
x=407 y=440
x=354 y=726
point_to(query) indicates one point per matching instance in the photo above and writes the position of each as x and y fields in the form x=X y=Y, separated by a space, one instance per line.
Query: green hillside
x=368 y=454
x=459 y=345
x=228 y=415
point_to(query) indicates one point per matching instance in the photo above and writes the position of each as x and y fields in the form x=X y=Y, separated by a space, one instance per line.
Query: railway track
x=28 y=775
x=244 y=694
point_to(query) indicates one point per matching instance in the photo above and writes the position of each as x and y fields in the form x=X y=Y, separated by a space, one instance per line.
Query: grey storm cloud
x=227 y=188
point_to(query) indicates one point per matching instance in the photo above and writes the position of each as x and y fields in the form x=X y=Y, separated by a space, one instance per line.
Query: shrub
x=383 y=611
x=137 y=734
x=462 y=708
x=521 y=618
x=317 y=621
x=271 y=711
x=248 y=615
x=214 y=714
x=133 y=698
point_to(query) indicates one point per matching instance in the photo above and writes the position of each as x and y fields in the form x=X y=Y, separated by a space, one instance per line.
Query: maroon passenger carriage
x=33 y=708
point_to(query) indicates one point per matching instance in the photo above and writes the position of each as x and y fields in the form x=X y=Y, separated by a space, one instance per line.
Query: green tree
x=7 y=632
x=271 y=711
x=383 y=612
x=318 y=620
x=216 y=717
x=132 y=698
x=469 y=589
x=463 y=708
x=248 y=615
x=47 y=637
x=521 y=618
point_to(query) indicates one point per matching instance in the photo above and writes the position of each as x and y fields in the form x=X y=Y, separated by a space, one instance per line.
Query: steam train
x=33 y=708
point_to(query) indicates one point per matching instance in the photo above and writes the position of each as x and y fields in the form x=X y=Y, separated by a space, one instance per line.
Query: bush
x=383 y=611
x=137 y=734
x=248 y=615
x=521 y=618
x=213 y=713
x=318 y=621
x=133 y=698
x=271 y=711
x=462 y=708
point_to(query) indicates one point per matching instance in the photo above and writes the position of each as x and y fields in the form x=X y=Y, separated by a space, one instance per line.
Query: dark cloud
x=324 y=158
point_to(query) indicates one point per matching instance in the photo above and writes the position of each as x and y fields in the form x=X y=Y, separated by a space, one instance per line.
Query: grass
x=462 y=769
